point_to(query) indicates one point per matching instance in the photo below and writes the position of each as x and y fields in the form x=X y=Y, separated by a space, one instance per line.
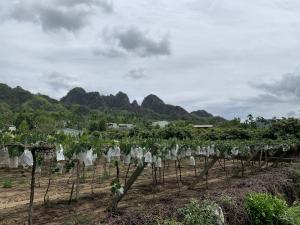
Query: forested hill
x=79 y=101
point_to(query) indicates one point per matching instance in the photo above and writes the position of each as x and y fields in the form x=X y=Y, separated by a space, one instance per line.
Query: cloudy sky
x=229 y=57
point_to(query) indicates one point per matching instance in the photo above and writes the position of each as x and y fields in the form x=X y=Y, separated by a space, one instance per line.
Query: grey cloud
x=70 y=15
x=288 y=86
x=233 y=111
x=261 y=105
x=58 y=81
x=264 y=99
x=23 y=12
x=108 y=52
x=53 y=19
x=281 y=95
x=210 y=60
x=134 y=40
x=136 y=73
x=106 y=5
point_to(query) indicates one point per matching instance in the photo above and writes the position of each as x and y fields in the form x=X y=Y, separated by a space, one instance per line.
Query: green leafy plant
x=195 y=214
x=292 y=215
x=7 y=184
x=115 y=186
x=169 y=222
x=225 y=199
x=265 y=209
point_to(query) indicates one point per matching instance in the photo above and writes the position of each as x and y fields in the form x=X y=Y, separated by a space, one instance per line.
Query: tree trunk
x=266 y=157
x=117 y=170
x=128 y=168
x=260 y=158
x=178 y=184
x=48 y=186
x=155 y=175
x=93 y=178
x=152 y=174
x=118 y=197
x=243 y=167
x=49 y=182
x=164 y=167
x=159 y=172
x=104 y=167
x=71 y=195
x=179 y=167
x=83 y=173
x=203 y=173
x=30 y=210
x=77 y=180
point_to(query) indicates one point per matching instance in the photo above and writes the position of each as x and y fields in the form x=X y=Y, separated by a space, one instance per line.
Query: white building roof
x=203 y=126
x=162 y=123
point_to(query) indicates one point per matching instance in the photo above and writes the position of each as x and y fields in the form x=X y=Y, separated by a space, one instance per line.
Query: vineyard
x=91 y=175
x=155 y=112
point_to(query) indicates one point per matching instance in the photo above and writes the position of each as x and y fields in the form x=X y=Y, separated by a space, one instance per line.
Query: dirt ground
x=143 y=196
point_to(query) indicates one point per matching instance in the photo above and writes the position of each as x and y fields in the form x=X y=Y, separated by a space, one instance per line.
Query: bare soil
x=145 y=203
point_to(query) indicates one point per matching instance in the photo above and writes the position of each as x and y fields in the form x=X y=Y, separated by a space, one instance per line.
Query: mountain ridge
x=151 y=107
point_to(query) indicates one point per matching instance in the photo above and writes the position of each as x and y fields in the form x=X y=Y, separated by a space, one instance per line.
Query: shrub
x=264 y=209
x=170 y=222
x=194 y=214
x=225 y=199
x=7 y=184
x=292 y=216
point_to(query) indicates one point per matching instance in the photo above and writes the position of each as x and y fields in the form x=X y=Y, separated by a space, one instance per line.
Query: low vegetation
x=7 y=184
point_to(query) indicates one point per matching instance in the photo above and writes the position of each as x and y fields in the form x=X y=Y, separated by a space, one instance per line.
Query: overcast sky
x=228 y=57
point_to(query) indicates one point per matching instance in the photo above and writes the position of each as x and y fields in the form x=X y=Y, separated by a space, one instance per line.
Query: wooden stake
x=30 y=209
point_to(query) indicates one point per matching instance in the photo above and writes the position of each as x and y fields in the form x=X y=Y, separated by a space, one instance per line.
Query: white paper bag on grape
x=158 y=163
x=127 y=159
x=192 y=161
x=60 y=154
x=14 y=162
x=26 y=158
x=148 y=157
x=88 y=158
x=4 y=157
x=188 y=152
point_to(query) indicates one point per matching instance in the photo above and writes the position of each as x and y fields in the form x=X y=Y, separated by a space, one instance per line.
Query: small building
x=71 y=132
x=12 y=128
x=112 y=126
x=120 y=126
x=161 y=124
x=203 y=126
x=126 y=126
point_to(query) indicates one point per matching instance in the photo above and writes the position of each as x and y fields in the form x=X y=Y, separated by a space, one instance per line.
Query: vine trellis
x=142 y=152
